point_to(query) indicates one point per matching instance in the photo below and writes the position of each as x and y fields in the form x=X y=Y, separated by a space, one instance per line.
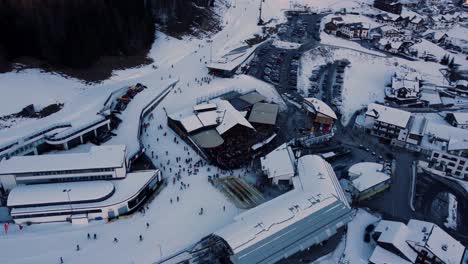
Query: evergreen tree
x=451 y=64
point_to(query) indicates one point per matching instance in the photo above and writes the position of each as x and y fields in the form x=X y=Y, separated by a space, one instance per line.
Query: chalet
x=385 y=32
x=391 y=20
x=392 y=6
x=394 y=46
x=332 y=26
x=460 y=88
x=357 y=30
x=322 y=117
x=437 y=37
x=443 y=21
x=415 y=242
x=416 y=24
x=404 y=88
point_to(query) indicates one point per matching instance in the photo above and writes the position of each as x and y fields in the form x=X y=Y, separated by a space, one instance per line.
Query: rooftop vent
x=444 y=247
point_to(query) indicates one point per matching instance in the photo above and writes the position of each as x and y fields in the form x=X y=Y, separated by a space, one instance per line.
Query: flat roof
x=40 y=194
x=109 y=156
x=315 y=188
x=264 y=113
x=125 y=189
x=207 y=139
x=253 y=97
x=278 y=162
x=204 y=107
x=368 y=174
x=388 y=115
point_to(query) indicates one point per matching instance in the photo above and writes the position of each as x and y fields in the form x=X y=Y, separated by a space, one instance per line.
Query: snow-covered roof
x=417 y=125
x=109 y=156
x=191 y=123
x=398 y=83
x=441 y=244
x=42 y=194
x=437 y=136
x=383 y=256
x=208 y=118
x=124 y=190
x=204 y=107
x=396 y=234
x=230 y=117
x=388 y=115
x=279 y=162
x=461 y=117
x=463 y=83
x=388 y=28
x=315 y=188
x=365 y=175
x=431 y=96
x=457 y=144
x=232 y=59
x=316 y=105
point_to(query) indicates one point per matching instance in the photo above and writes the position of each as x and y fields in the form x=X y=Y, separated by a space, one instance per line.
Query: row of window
x=67 y=179
x=42 y=173
x=57 y=214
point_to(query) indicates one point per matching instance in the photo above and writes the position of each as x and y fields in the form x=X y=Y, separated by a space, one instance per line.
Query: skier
x=89 y=236
x=147 y=225
x=116 y=240
x=61 y=260
x=177 y=198
x=95 y=236
x=77 y=247
x=141 y=238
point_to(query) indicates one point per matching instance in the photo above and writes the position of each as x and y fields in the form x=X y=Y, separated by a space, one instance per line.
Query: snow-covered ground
x=178 y=225
x=367 y=75
x=451 y=221
x=172 y=226
x=353 y=249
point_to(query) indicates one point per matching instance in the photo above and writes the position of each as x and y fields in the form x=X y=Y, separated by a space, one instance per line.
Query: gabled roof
x=396 y=234
x=388 y=115
x=461 y=117
x=319 y=106
x=230 y=117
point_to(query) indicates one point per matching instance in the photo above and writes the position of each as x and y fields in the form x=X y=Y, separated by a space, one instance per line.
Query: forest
x=76 y=33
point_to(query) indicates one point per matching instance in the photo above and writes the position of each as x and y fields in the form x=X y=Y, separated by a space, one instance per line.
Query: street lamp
x=69 y=200
x=160 y=250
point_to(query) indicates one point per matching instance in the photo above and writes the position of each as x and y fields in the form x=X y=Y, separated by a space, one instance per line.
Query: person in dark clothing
x=95 y=236
x=141 y=238
x=116 y=240
x=77 y=247
x=89 y=236
x=61 y=260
